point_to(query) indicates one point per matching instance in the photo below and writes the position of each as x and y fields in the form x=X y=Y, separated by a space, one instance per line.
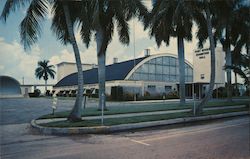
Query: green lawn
x=138 y=109
x=136 y=119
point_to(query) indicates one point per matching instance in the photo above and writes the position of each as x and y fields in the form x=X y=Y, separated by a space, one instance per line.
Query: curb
x=123 y=127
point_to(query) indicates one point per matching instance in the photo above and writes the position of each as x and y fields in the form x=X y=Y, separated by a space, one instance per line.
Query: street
x=227 y=138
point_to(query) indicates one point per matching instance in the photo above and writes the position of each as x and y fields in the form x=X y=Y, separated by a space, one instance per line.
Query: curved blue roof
x=117 y=71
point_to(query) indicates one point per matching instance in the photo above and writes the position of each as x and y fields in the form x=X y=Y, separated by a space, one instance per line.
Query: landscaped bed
x=137 y=119
x=91 y=111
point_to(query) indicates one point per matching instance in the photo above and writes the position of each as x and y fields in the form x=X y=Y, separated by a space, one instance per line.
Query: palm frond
x=30 y=27
x=59 y=26
x=11 y=6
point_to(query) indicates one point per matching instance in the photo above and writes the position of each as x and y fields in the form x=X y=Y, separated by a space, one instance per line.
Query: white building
x=202 y=69
x=66 y=68
x=149 y=76
x=202 y=63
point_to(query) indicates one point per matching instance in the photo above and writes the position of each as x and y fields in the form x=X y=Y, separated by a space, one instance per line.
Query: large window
x=164 y=69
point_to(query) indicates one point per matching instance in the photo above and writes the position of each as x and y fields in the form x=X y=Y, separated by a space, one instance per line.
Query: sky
x=18 y=63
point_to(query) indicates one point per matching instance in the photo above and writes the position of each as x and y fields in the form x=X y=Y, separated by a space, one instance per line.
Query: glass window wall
x=164 y=69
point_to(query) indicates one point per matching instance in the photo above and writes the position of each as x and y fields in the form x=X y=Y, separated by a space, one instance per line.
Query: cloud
x=65 y=55
x=1 y=67
x=16 y=62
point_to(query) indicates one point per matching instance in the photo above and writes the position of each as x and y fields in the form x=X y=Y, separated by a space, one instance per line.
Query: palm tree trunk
x=228 y=63
x=181 y=70
x=248 y=53
x=75 y=114
x=101 y=57
x=212 y=50
x=236 y=83
x=45 y=86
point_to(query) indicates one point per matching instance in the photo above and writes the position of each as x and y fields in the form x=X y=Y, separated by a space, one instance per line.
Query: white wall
x=202 y=65
x=66 y=68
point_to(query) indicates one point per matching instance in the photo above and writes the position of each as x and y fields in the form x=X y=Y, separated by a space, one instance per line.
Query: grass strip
x=91 y=111
x=135 y=119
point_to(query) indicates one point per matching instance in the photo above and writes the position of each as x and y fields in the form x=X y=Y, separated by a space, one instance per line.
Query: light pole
x=134 y=58
x=103 y=96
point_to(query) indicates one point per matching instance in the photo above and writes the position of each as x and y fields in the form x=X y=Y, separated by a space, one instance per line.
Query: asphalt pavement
x=222 y=139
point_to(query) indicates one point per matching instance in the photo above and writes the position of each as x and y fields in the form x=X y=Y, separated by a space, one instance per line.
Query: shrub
x=172 y=95
x=222 y=93
x=36 y=93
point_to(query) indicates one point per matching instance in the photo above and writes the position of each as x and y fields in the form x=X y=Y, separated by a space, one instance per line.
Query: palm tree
x=172 y=18
x=45 y=71
x=203 y=19
x=30 y=30
x=221 y=19
x=240 y=38
x=99 y=16
x=227 y=27
x=65 y=15
x=243 y=70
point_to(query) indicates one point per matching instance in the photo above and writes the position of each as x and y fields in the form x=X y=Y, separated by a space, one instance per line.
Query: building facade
x=151 y=76
x=202 y=70
x=66 y=68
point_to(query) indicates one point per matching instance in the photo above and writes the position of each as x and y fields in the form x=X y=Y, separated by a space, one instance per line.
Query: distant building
x=9 y=87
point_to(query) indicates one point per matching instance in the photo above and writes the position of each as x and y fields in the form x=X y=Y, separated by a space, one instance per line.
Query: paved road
x=221 y=139
x=23 y=110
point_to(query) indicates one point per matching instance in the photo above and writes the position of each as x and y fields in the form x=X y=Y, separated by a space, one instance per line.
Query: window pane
x=177 y=71
x=158 y=77
x=144 y=76
x=159 y=60
x=190 y=72
x=190 y=78
x=173 y=78
x=152 y=61
x=166 y=78
x=151 y=77
x=151 y=68
x=172 y=70
x=177 y=62
x=158 y=69
x=172 y=61
x=165 y=69
x=165 y=60
x=139 y=69
x=136 y=76
x=144 y=68
x=131 y=77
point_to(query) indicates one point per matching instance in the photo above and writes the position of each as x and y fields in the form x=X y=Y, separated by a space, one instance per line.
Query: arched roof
x=117 y=71
x=9 y=87
x=152 y=57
